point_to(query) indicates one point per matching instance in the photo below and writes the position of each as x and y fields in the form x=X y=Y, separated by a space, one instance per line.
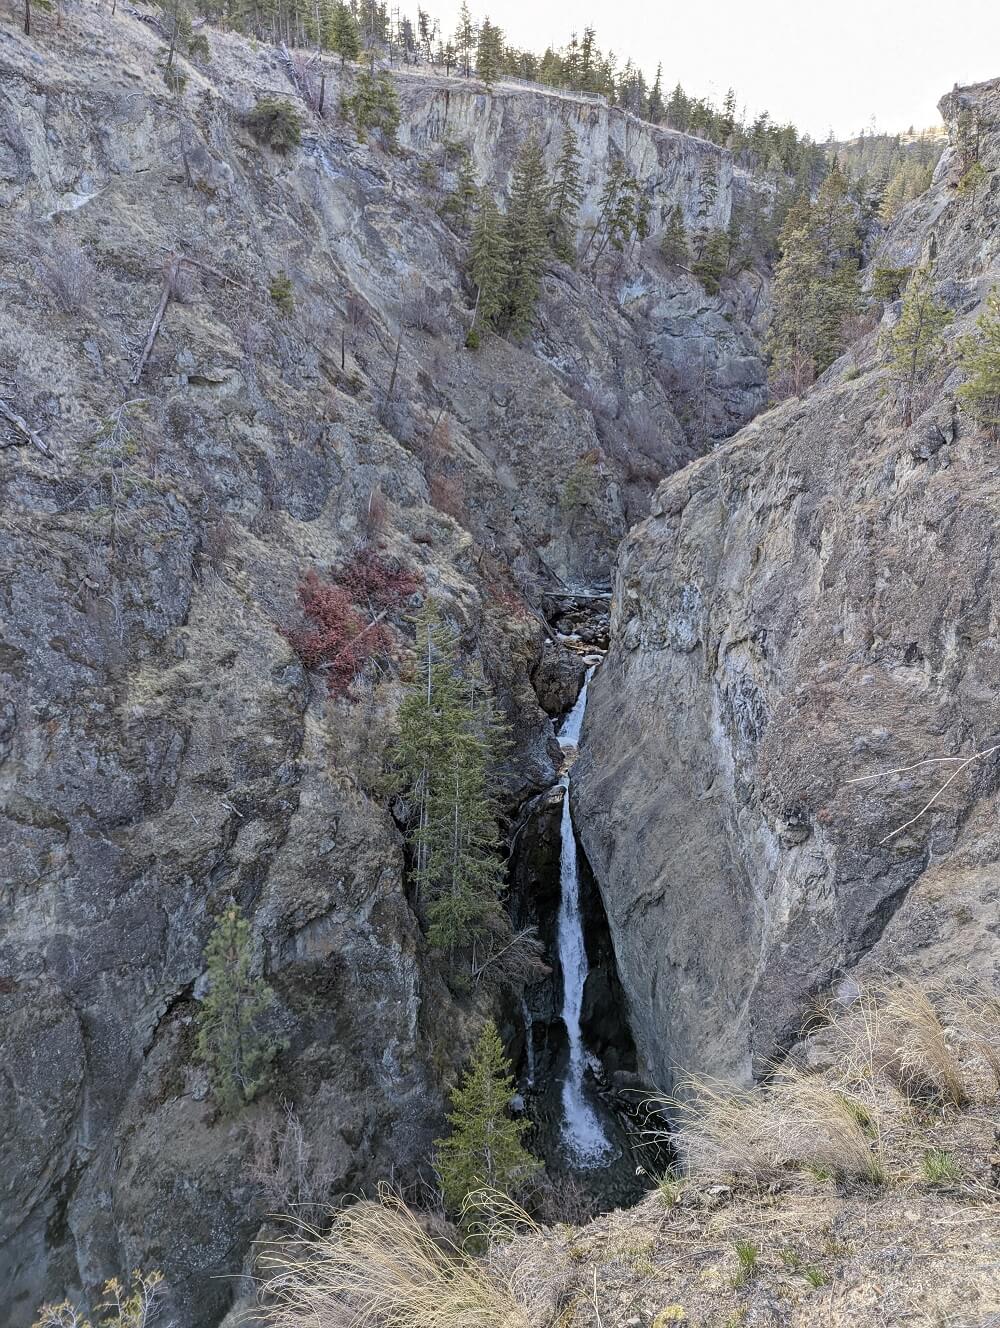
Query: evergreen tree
x=232 y=1041
x=710 y=265
x=623 y=213
x=466 y=192
x=341 y=33
x=488 y=267
x=526 y=238
x=979 y=357
x=465 y=38
x=373 y=105
x=657 y=106
x=484 y=1148
x=449 y=744
x=915 y=342
x=489 y=53
x=565 y=199
x=674 y=245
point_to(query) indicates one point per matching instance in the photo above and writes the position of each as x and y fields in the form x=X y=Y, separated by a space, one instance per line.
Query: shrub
x=123 y=1305
x=472 y=339
x=276 y=123
x=381 y=584
x=282 y=294
x=378 y=1265
x=65 y=271
x=285 y=1169
x=232 y=1039
x=337 y=640
x=888 y=282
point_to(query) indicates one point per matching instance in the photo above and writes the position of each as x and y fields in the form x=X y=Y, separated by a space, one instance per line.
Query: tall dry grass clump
x=895 y=1031
x=378 y=1268
x=797 y=1120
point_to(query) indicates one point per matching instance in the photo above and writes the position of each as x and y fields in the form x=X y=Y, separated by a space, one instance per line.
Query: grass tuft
x=377 y=1265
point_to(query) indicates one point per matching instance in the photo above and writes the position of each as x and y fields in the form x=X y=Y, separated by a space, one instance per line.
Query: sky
x=825 y=66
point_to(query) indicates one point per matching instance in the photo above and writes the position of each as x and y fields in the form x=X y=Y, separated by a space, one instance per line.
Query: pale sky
x=822 y=66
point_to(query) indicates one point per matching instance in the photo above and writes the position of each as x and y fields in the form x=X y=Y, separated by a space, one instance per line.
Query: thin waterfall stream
x=583 y=1133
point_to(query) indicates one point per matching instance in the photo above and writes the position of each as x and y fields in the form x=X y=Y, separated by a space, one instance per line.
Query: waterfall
x=582 y=1130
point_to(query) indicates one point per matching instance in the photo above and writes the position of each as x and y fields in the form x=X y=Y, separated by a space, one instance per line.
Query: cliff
x=813 y=603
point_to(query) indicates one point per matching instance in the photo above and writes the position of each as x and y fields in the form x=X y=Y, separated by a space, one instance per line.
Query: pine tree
x=232 y=1041
x=915 y=342
x=466 y=192
x=526 y=238
x=488 y=266
x=341 y=33
x=489 y=53
x=565 y=199
x=657 y=106
x=979 y=357
x=484 y=1149
x=674 y=244
x=713 y=257
x=465 y=38
x=373 y=105
x=449 y=744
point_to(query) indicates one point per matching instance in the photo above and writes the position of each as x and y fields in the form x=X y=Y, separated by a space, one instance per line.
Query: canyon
x=803 y=596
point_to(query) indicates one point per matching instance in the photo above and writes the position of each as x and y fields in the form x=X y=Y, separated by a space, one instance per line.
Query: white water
x=584 y=1137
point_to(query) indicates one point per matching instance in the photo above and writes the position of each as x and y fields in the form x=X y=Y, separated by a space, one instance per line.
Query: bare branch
x=22 y=427
x=977 y=756
x=154 y=327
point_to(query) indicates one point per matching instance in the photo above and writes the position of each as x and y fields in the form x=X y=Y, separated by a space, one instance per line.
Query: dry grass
x=379 y=1268
x=904 y=1039
x=898 y=1050
x=798 y=1120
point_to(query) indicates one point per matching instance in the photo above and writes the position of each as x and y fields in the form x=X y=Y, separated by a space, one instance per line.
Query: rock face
x=814 y=602
x=162 y=750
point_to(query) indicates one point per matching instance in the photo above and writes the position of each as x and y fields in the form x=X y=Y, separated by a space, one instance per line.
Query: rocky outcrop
x=813 y=603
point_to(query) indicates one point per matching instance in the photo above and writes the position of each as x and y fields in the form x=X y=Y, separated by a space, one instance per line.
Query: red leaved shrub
x=335 y=641
x=344 y=627
x=381 y=584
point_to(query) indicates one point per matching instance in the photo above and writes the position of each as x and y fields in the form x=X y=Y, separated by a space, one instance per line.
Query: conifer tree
x=373 y=105
x=657 y=106
x=484 y=1149
x=232 y=1041
x=674 y=244
x=623 y=213
x=915 y=342
x=526 y=238
x=565 y=199
x=488 y=266
x=466 y=192
x=341 y=33
x=449 y=744
x=979 y=356
x=465 y=38
x=713 y=256
x=489 y=53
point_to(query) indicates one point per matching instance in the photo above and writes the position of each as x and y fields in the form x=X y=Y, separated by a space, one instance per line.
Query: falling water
x=584 y=1136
